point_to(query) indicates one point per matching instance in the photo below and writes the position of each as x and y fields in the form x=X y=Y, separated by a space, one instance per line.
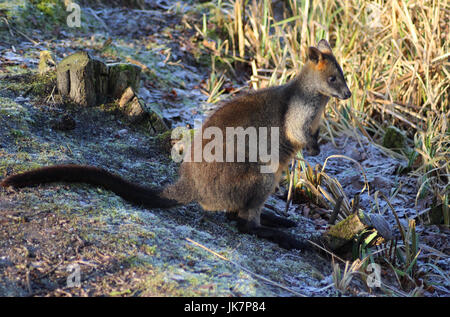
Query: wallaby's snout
x=337 y=88
x=346 y=93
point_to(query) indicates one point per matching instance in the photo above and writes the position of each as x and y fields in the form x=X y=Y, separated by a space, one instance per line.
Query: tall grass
x=395 y=55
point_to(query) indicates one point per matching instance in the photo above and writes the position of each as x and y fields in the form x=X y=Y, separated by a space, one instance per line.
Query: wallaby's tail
x=146 y=196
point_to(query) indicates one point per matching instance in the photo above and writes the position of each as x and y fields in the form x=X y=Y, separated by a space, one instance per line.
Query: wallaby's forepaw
x=312 y=145
x=314 y=151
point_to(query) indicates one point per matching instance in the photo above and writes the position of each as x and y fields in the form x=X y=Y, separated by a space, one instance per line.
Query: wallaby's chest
x=317 y=119
x=303 y=116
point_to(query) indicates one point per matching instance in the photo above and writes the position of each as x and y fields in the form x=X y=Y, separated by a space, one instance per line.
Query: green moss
x=53 y=9
x=163 y=141
x=150 y=250
x=132 y=261
x=17 y=134
x=344 y=231
x=40 y=85
x=394 y=138
x=159 y=284
x=79 y=59
x=123 y=75
x=120 y=293
x=43 y=15
x=11 y=110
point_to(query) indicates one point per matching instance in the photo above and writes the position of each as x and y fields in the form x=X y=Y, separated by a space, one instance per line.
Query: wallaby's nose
x=347 y=94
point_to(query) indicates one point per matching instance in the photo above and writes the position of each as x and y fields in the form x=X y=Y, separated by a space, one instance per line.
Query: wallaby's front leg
x=312 y=144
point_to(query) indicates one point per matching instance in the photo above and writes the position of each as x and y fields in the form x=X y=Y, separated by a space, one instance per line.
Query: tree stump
x=83 y=79
x=88 y=81
x=122 y=76
x=136 y=111
x=131 y=106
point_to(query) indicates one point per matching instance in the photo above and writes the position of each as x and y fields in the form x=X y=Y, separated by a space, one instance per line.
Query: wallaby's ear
x=324 y=47
x=314 y=54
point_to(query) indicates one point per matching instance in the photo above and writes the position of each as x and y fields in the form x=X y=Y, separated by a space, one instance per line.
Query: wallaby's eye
x=332 y=79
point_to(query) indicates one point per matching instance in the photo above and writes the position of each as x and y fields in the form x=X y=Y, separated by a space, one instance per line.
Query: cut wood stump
x=83 y=79
x=131 y=106
x=135 y=110
x=122 y=76
x=89 y=81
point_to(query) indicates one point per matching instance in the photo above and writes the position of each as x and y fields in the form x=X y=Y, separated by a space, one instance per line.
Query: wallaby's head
x=329 y=79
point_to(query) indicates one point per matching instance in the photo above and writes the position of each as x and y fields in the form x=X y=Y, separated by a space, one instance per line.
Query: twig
x=355 y=204
x=51 y=270
x=366 y=183
x=393 y=113
x=51 y=96
x=326 y=251
x=291 y=185
x=400 y=227
x=21 y=33
x=99 y=19
x=138 y=63
x=27 y=279
x=9 y=27
x=336 y=209
x=245 y=269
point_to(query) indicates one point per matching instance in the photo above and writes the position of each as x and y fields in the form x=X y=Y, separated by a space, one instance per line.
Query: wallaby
x=238 y=187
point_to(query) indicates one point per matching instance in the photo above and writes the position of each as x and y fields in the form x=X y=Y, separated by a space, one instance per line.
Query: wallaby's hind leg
x=270 y=220
x=248 y=223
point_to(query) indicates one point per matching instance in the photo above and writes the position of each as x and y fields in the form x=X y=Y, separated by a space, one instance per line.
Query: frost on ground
x=124 y=250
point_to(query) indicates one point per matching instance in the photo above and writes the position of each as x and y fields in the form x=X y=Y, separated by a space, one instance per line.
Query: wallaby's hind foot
x=268 y=219
x=283 y=239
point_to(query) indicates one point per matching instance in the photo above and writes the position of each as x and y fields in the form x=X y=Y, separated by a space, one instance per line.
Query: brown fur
x=238 y=187
x=321 y=66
